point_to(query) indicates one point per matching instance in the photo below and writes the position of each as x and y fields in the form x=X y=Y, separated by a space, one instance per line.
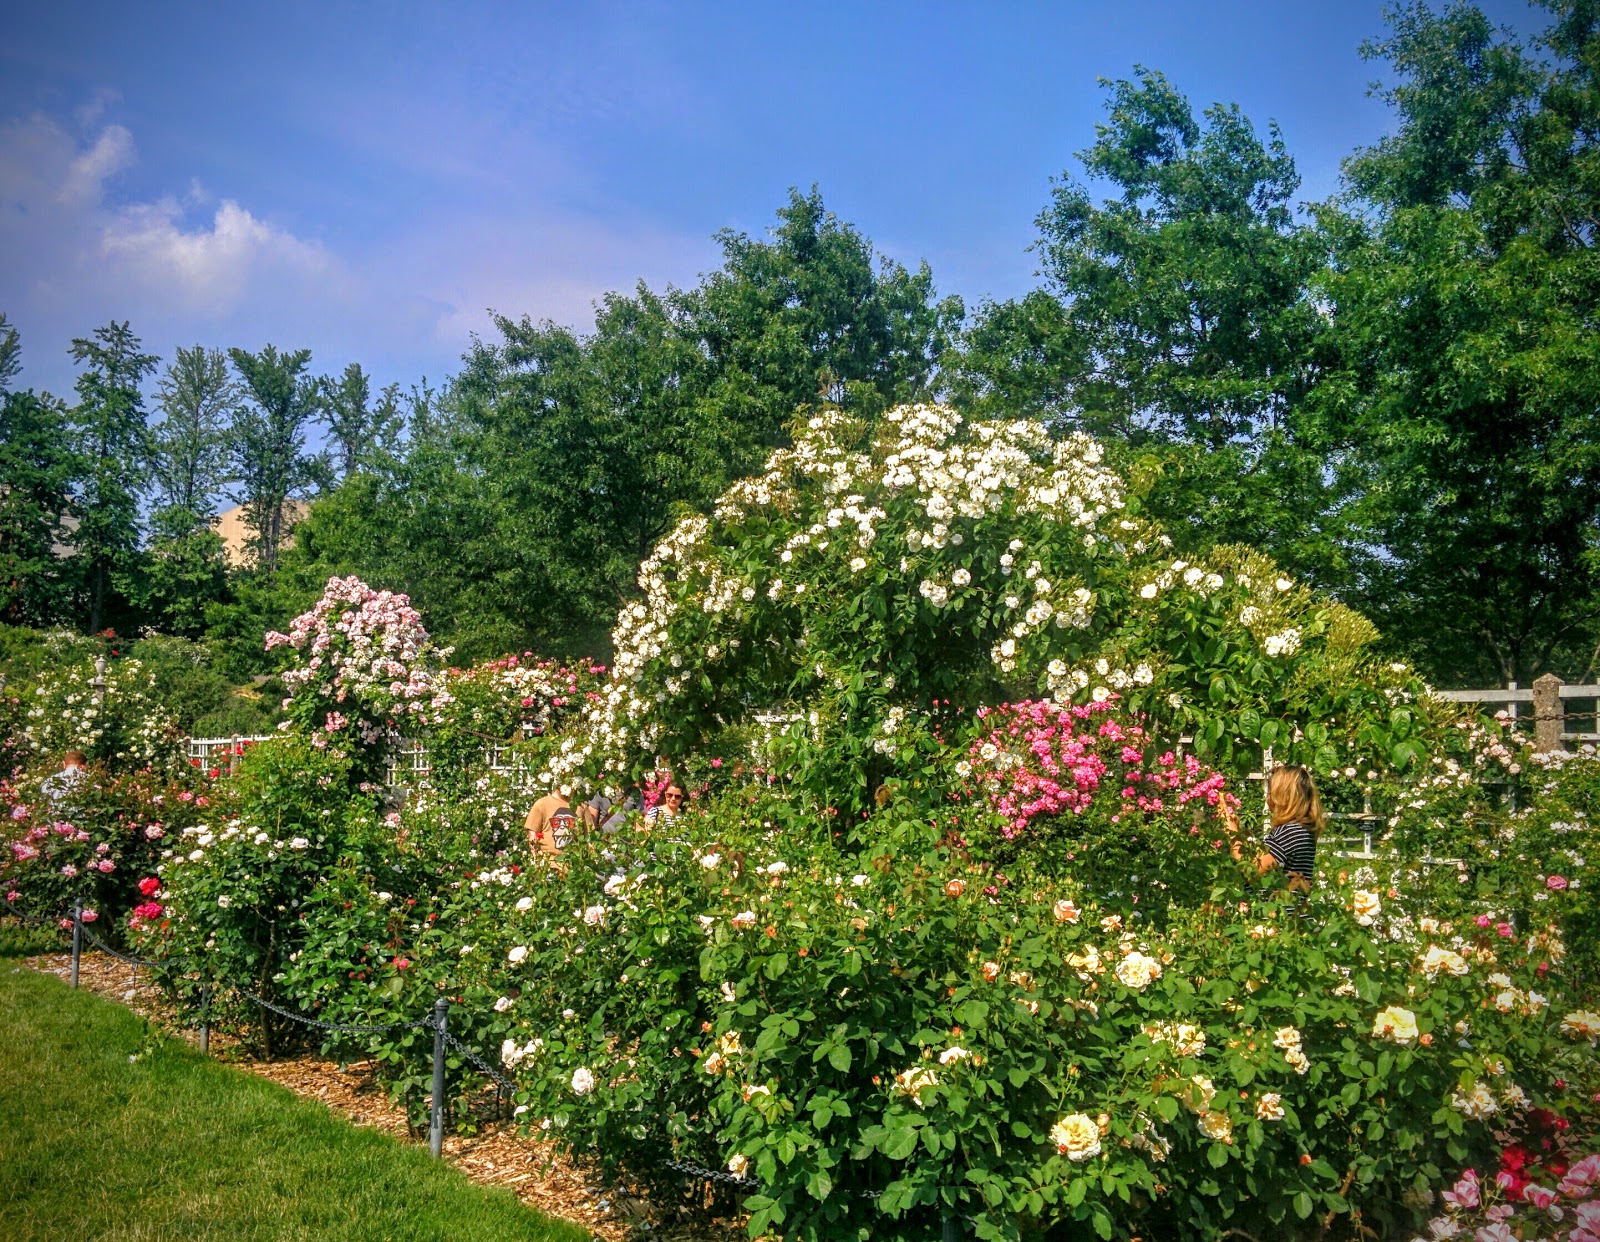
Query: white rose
x=518 y=955
x=1137 y=970
x=582 y=1081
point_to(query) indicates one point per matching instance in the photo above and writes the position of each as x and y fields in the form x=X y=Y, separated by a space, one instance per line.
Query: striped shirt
x=1294 y=847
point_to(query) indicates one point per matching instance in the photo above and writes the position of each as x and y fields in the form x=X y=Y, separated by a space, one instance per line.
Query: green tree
x=532 y=487
x=363 y=433
x=1177 y=324
x=112 y=442
x=10 y=353
x=36 y=469
x=183 y=572
x=268 y=443
x=189 y=446
x=1465 y=296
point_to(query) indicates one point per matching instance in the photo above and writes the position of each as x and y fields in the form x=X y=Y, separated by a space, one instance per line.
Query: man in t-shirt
x=61 y=788
x=541 y=817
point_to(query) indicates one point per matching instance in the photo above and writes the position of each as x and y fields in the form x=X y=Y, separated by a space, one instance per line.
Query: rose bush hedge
x=92 y=840
x=756 y=992
x=920 y=561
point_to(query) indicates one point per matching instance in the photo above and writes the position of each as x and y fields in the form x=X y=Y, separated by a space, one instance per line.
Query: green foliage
x=184 y=573
x=233 y=891
x=364 y=435
x=110 y=438
x=268 y=442
x=36 y=470
x=189 y=446
x=1177 y=325
x=1462 y=404
x=79 y=1069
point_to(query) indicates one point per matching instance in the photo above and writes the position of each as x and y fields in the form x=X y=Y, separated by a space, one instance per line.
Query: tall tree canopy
x=1177 y=323
x=189 y=446
x=112 y=441
x=1467 y=301
x=270 y=462
x=526 y=501
x=37 y=465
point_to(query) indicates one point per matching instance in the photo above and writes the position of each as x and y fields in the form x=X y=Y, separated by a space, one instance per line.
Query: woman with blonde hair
x=1295 y=810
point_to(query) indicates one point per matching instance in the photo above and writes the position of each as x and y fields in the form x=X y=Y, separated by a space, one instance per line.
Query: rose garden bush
x=929 y=941
x=891 y=1019
x=95 y=842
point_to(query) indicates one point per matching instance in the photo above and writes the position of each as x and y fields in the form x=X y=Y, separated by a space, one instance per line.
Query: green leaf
x=840 y=1058
x=1302 y=1205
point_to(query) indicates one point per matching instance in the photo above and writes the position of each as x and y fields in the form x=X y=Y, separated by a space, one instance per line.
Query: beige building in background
x=237 y=534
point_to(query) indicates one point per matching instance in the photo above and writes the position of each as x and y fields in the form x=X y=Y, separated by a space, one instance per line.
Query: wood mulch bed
x=496 y=1155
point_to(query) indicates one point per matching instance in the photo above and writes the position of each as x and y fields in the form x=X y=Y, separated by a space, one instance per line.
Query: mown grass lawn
x=176 y=1146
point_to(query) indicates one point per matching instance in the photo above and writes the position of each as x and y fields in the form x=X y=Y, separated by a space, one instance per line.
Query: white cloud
x=61 y=219
x=87 y=172
x=208 y=268
x=76 y=250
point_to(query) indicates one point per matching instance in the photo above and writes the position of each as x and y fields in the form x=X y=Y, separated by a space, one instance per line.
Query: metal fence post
x=436 y=1128
x=205 y=1021
x=77 y=939
x=952 y=1228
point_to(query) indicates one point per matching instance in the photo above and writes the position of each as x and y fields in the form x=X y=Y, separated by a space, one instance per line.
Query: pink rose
x=1540 y=1196
x=1556 y=882
x=1465 y=1194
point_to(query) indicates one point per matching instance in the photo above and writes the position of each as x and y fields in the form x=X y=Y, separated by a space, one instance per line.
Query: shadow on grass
x=113 y=1131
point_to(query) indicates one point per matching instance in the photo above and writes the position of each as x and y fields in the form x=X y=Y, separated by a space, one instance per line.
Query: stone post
x=1548 y=715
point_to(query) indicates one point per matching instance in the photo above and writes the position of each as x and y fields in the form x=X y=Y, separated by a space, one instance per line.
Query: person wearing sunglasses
x=665 y=811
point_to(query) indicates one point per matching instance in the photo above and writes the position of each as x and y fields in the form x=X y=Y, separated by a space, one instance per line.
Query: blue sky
x=366 y=180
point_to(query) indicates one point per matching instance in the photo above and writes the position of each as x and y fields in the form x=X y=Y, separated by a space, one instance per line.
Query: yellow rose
x=1076 y=1137
x=1397 y=1024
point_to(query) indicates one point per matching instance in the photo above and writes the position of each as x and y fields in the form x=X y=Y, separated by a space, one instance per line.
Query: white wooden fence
x=1544 y=708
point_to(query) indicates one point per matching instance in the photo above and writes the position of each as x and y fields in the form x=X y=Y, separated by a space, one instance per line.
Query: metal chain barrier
x=121 y=957
x=436 y=1022
x=711 y=1175
x=487 y=1070
x=26 y=918
x=337 y=1028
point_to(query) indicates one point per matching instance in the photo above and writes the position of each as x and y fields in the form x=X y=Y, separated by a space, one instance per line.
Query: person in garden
x=665 y=811
x=1295 y=809
x=608 y=816
x=563 y=824
x=540 y=824
x=61 y=788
